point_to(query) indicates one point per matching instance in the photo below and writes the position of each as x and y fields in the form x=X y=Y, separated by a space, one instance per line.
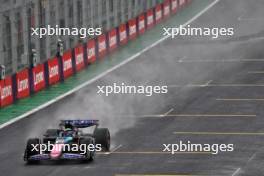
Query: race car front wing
x=67 y=156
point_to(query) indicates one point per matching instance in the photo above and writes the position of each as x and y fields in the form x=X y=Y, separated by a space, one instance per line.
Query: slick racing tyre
x=30 y=150
x=102 y=136
x=89 y=155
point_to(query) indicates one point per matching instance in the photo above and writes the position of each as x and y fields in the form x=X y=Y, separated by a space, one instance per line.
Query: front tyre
x=31 y=150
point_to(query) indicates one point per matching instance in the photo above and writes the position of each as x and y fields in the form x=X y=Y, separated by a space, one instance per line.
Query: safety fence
x=32 y=80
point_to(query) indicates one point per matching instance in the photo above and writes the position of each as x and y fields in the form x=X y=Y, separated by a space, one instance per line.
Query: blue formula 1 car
x=69 y=142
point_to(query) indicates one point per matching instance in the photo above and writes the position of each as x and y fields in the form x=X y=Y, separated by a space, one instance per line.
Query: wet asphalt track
x=215 y=87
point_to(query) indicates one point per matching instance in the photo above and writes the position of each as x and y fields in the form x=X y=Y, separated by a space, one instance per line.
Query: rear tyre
x=30 y=150
x=89 y=155
x=102 y=136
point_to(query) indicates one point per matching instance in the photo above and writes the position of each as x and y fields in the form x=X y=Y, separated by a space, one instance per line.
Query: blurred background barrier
x=24 y=59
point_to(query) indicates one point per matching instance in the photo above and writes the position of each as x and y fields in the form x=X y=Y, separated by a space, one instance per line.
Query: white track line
x=207 y=83
x=236 y=172
x=249 y=160
x=256 y=72
x=115 y=149
x=252 y=157
x=181 y=59
x=104 y=73
x=216 y=85
x=168 y=112
x=222 y=60
x=241 y=18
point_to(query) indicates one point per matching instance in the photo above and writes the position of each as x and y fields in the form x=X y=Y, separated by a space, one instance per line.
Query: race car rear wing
x=80 y=123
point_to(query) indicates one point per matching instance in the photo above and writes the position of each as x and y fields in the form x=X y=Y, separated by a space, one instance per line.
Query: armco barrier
x=132 y=29
x=60 y=68
x=158 y=14
x=150 y=19
x=21 y=85
x=53 y=71
x=101 y=46
x=141 y=23
x=174 y=6
x=166 y=9
x=112 y=39
x=6 y=92
x=79 y=58
x=91 y=53
x=122 y=34
x=67 y=66
x=38 y=78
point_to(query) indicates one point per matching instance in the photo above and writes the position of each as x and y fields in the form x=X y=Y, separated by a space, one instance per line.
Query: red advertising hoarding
x=79 y=58
x=53 y=69
x=122 y=34
x=182 y=3
x=6 y=92
x=102 y=46
x=158 y=13
x=112 y=40
x=67 y=67
x=141 y=24
x=91 y=57
x=22 y=84
x=38 y=75
x=174 y=6
x=166 y=8
x=132 y=26
x=150 y=18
